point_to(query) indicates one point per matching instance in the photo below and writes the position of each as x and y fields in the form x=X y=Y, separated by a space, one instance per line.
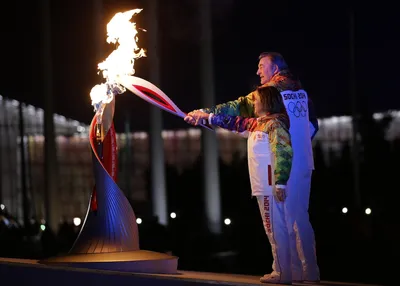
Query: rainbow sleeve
x=243 y=106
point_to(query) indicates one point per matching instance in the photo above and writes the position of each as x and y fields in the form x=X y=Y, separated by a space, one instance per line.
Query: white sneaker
x=268 y=278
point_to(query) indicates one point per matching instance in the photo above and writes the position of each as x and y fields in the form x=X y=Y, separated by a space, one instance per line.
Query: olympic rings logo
x=298 y=109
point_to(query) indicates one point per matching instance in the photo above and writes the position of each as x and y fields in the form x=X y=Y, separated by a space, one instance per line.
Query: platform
x=30 y=272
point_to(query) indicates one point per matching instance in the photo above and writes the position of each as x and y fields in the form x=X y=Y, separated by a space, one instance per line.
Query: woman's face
x=258 y=106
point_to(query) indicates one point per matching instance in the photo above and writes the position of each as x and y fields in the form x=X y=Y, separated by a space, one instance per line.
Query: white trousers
x=289 y=230
x=301 y=233
x=273 y=216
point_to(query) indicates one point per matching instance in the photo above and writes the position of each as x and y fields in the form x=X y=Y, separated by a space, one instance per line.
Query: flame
x=121 y=61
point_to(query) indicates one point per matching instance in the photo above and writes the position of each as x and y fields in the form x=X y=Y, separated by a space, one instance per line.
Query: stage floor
x=28 y=271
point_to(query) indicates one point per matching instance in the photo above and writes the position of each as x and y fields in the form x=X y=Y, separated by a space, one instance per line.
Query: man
x=273 y=71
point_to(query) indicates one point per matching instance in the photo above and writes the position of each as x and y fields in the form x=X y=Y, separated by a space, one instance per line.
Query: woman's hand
x=279 y=194
x=196 y=117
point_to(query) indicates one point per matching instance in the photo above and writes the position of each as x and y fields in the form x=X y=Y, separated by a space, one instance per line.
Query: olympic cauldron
x=109 y=237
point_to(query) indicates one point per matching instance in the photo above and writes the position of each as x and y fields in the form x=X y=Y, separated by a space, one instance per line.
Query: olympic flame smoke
x=121 y=61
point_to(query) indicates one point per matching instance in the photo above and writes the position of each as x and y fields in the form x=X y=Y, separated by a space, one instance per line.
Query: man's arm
x=243 y=106
x=281 y=148
x=312 y=117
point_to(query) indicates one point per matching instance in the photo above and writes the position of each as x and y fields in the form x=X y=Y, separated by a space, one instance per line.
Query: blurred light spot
x=173 y=215
x=42 y=227
x=77 y=221
x=6 y=221
x=367 y=211
x=227 y=221
x=344 y=210
x=138 y=220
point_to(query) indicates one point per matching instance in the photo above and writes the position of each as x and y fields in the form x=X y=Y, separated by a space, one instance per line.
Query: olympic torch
x=118 y=70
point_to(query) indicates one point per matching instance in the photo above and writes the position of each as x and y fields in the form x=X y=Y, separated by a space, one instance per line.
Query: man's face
x=266 y=70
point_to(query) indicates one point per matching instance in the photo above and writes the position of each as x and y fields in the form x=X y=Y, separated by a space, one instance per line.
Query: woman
x=270 y=162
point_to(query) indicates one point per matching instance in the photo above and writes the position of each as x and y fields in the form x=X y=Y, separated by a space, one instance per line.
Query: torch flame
x=121 y=61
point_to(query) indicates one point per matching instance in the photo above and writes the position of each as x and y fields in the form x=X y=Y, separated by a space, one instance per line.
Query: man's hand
x=279 y=194
x=196 y=117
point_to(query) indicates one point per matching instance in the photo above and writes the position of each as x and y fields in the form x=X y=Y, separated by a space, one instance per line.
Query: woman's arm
x=281 y=148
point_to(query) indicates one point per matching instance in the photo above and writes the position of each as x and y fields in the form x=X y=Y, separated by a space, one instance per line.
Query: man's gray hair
x=276 y=58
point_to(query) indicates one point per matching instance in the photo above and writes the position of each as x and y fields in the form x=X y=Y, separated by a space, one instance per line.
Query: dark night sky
x=312 y=35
